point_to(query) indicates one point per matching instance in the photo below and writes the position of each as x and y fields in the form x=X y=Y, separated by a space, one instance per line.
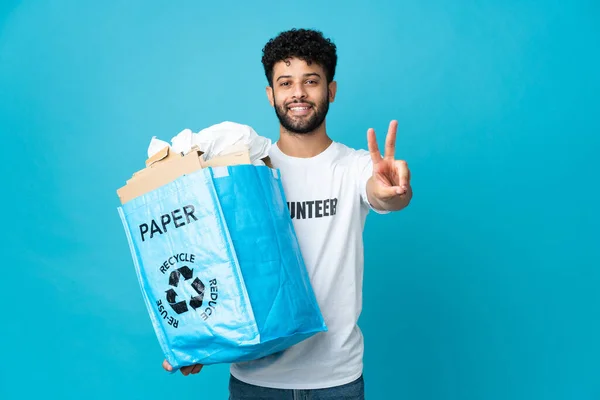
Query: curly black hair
x=306 y=44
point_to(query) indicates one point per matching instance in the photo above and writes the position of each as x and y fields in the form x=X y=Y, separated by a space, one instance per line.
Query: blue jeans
x=239 y=390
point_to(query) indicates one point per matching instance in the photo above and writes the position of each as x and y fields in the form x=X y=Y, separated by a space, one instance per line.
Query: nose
x=299 y=91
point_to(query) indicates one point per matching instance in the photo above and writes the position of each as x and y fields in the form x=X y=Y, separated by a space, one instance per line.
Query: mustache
x=300 y=102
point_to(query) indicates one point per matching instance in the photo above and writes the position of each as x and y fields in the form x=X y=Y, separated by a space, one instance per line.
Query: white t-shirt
x=328 y=204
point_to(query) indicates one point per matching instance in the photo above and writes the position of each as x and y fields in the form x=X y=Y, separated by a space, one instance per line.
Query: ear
x=332 y=91
x=269 y=90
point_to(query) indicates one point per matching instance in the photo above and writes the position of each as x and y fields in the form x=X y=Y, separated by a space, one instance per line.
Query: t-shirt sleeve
x=365 y=171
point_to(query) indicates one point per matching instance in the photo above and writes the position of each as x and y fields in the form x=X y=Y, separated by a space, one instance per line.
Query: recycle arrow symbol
x=179 y=307
x=185 y=271
x=196 y=301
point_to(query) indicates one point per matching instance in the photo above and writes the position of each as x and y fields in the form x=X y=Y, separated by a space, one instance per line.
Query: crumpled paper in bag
x=217 y=140
x=156 y=145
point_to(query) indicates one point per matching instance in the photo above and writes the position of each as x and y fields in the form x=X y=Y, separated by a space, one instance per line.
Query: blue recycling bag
x=219 y=266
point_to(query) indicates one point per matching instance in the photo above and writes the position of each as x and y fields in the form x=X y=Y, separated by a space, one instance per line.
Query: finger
x=167 y=366
x=387 y=192
x=373 y=148
x=196 y=368
x=186 y=370
x=403 y=174
x=390 y=140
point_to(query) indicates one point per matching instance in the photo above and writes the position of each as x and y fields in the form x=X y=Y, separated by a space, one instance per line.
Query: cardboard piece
x=166 y=166
x=165 y=154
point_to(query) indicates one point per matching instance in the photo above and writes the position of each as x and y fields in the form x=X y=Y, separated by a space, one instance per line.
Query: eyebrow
x=305 y=75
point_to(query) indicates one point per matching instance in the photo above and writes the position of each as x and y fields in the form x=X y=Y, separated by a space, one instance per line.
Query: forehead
x=296 y=67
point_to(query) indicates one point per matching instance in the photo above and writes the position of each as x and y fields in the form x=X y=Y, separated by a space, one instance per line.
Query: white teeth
x=298 y=108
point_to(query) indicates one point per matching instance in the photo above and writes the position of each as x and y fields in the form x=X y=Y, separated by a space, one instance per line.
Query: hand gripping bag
x=219 y=266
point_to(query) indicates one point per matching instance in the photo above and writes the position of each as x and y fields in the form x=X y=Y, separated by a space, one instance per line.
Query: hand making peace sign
x=391 y=178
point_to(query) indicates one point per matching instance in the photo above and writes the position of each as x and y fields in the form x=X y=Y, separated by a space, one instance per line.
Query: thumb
x=167 y=366
x=385 y=191
x=403 y=174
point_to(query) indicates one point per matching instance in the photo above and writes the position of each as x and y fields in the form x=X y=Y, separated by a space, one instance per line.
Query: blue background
x=485 y=288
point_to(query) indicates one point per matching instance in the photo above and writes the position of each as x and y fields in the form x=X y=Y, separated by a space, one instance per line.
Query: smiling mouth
x=301 y=110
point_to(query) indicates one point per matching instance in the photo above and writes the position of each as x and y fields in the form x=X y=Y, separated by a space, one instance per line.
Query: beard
x=302 y=125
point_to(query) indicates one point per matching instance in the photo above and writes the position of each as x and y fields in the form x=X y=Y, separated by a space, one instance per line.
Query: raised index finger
x=390 y=140
x=373 y=148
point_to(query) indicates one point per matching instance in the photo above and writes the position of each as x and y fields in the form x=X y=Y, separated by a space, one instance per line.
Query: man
x=300 y=67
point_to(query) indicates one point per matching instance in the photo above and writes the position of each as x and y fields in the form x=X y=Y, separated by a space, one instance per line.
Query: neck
x=304 y=145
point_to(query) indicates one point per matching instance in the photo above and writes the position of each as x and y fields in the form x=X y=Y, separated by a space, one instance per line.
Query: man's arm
x=388 y=189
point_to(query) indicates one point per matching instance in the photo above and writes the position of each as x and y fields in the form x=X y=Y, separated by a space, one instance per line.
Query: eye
x=311 y=82
x=284 y=84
